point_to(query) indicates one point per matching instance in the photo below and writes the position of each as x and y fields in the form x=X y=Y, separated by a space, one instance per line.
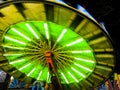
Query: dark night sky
x=107 y=11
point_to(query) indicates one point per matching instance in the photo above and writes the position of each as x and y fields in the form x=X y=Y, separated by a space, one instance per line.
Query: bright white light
x=17 y=61
x=61 y=35
x=83 y=67
x=11 y=78
x=103 y=26
x=65 y=78
x=21 y=34
x=73 y=77
x=48 y=76
x=83 y=10
x=24 y=66
x=82 y=51
x=46 y=30
x=31 y=72
x=61 y=1
x=11 y=54
x=14 y=40
x=32 y=31
x=38 y=78
x=11 y=47
x=84 y=60
x=74 y=42
x=78 y=72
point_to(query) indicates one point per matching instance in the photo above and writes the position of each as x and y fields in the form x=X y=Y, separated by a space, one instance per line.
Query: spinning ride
x=45 y=39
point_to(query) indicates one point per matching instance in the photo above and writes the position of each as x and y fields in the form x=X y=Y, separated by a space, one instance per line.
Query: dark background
x=107 y=11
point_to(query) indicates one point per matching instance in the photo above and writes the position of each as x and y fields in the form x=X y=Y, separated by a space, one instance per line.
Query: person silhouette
x=38 y=85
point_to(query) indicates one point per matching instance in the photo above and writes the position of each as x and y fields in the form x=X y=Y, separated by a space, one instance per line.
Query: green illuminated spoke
x=18 y=48
x=64 y=55
x=33 y=46
x=82 y=67
x=34 y=57
x=31 y=72
x=32 y=30
x=75 y=42
x=65 y=58
x=73 y=77
x=31 y=57
x=60 y=59
x=70 y=44
x=14 y=40
x=48 y=77
x=40 y=59
x=69 y=58
x=46 y=31
x=84 y=60
x=17 y=61
x=13 y=47
x=78 y=72
x=82 y=51
x=64 y=78
x=21 y=53
x=12 y=54
x=75 y=51
x=38 y=78
x=60 y=64
x=25 y=66
x=60 y=37
x=22 y=35
x=47 y=34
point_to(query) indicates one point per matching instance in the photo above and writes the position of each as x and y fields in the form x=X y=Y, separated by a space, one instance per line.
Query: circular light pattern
x=82 y=52
x=25 y=45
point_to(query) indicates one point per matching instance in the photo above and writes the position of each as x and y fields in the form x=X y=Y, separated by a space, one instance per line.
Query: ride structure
x=55 y=43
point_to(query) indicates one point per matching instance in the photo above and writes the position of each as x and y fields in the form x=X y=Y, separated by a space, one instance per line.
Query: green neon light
x=74 y=42
x=32 y=31
x=14 y=40
x=78 y=72
x=18 y=61
x=65 y=78
x=84 y=60
x=31 y=72
x=82 y=51
x=69 y=51
x=11 y=54
x=61 y=35
x=38 y=78
x=46 y=31
x=48 y=76
x=15 y=30
x=24 y=66
x=83 y=67
x=73 y=77
x=12 y=47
